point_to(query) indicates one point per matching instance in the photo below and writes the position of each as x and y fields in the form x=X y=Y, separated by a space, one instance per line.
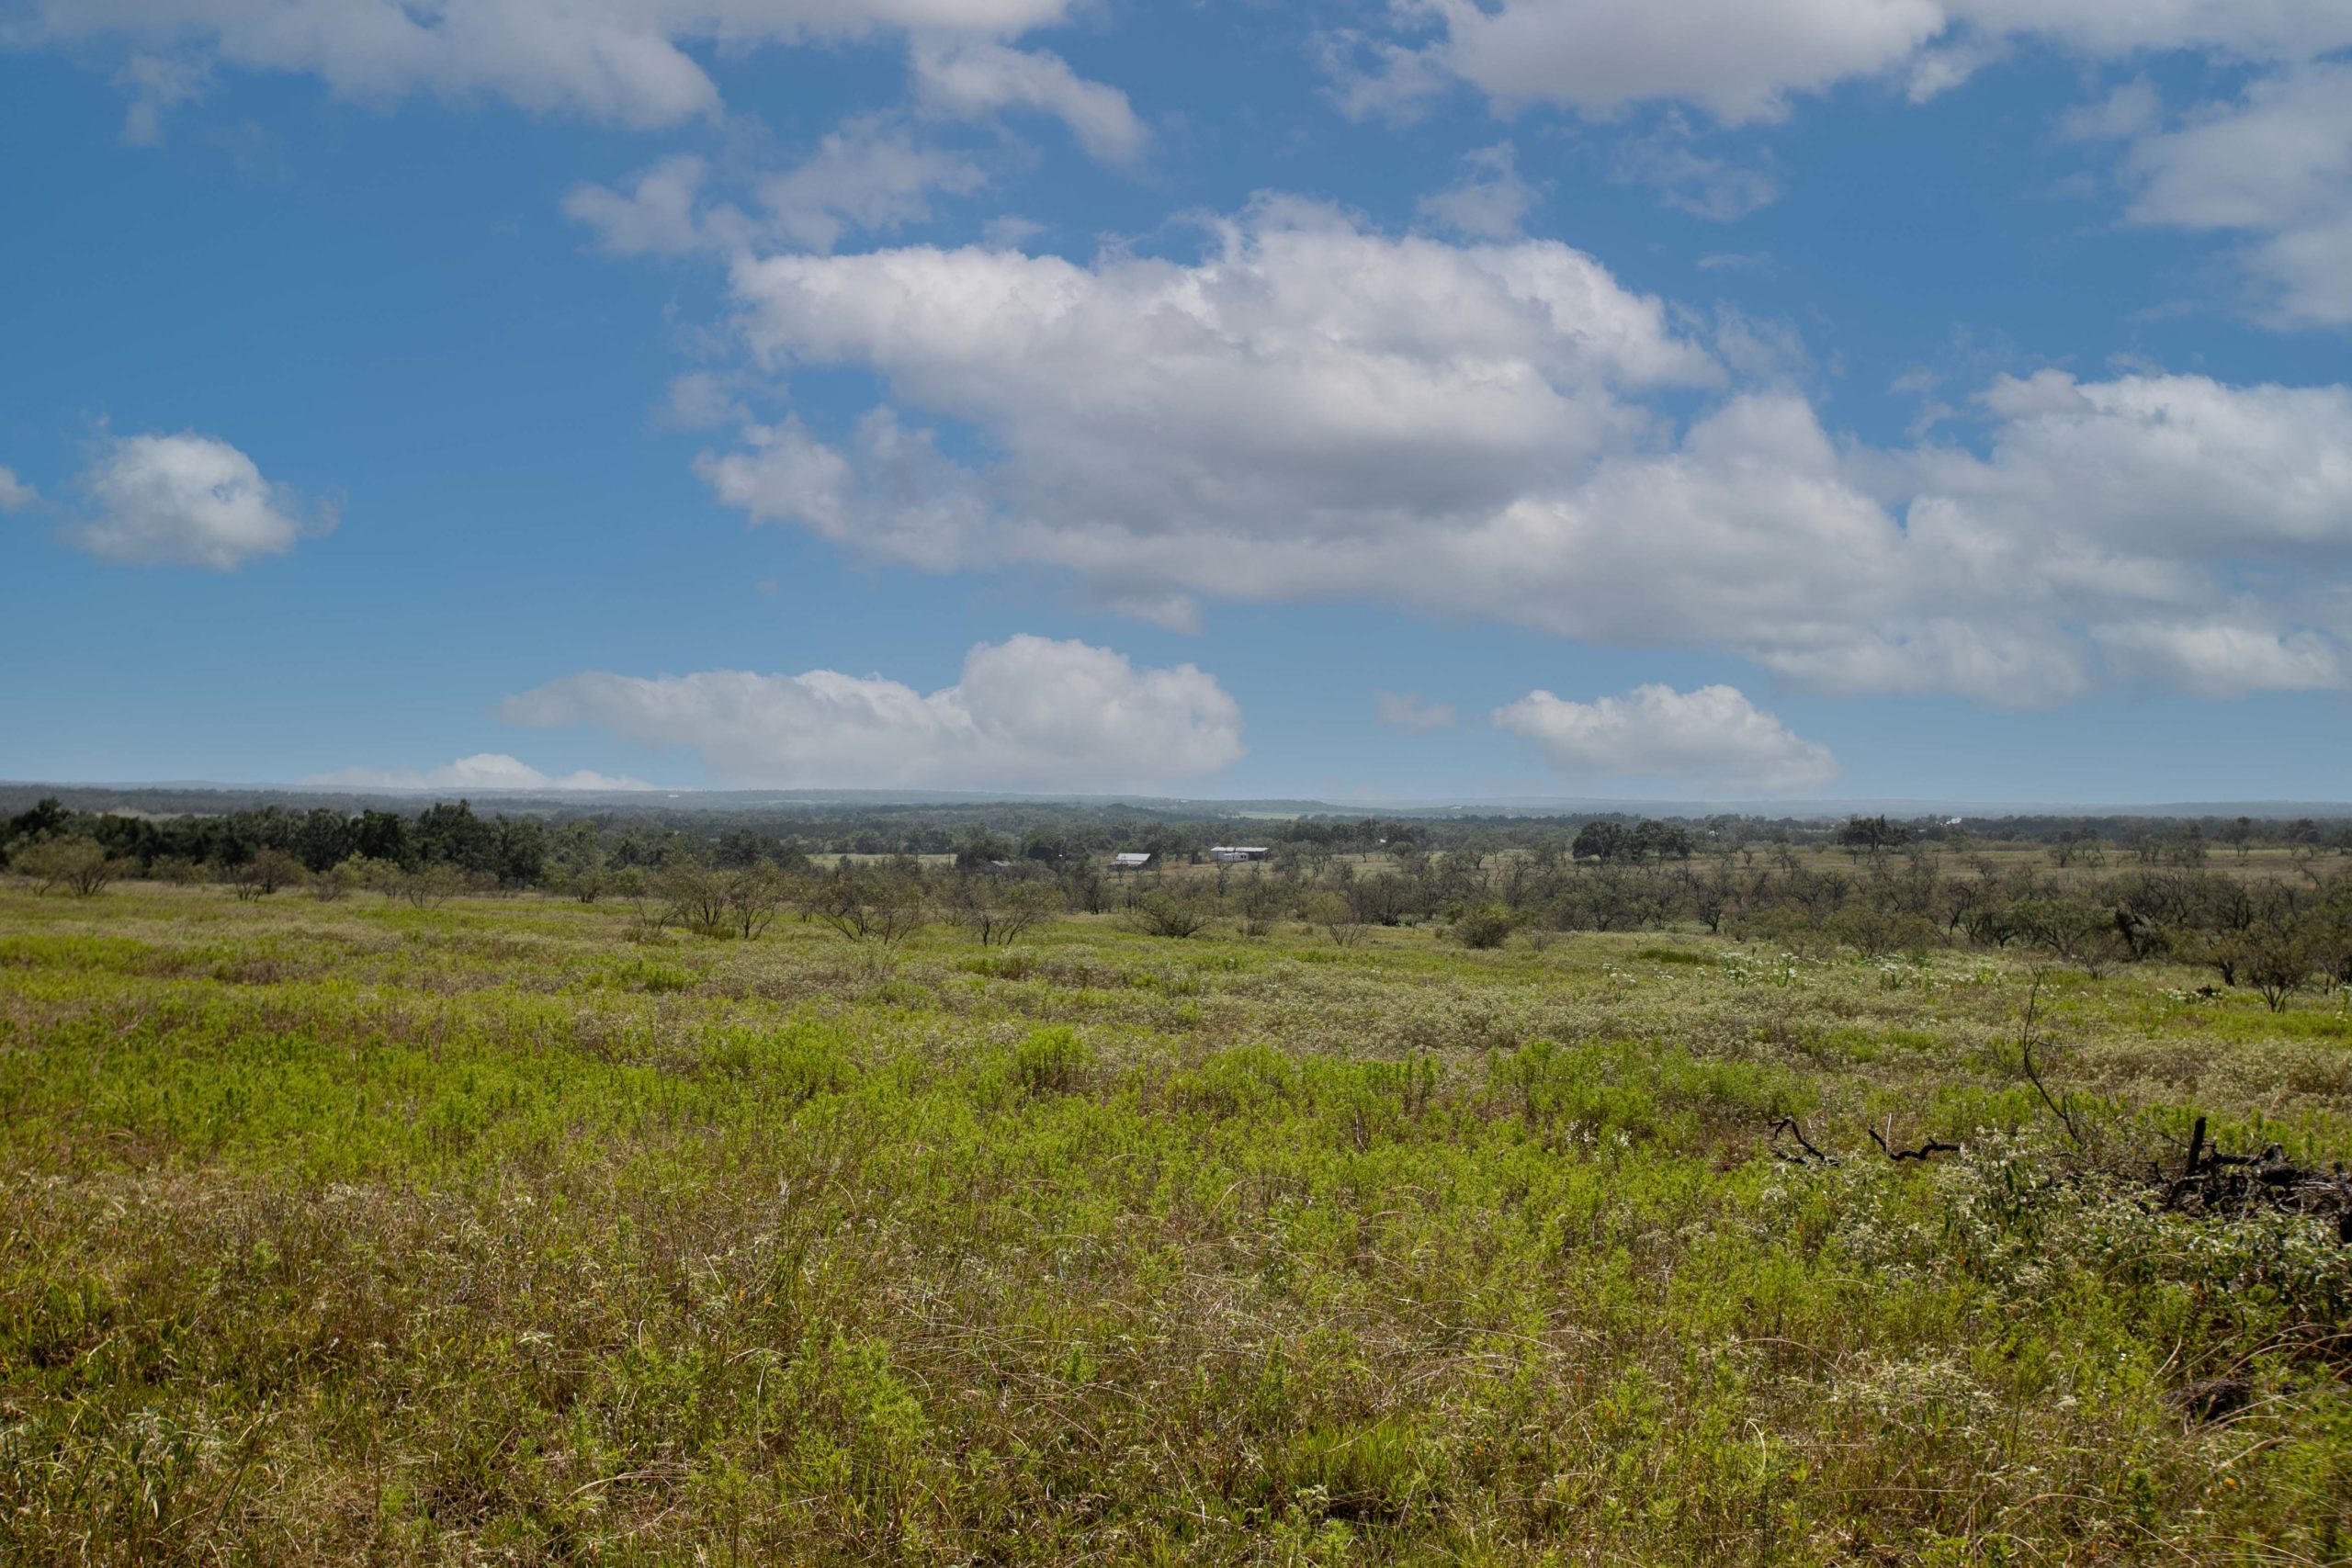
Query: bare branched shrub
x=1085 y=889
x=1260 y=901
x=178 y=871
x=2072 y=930
x=586 y=883
x=2277 y=961
x=265 y=874
x=884 y=905
x=650 y=914
x=696 y=896
x=755 y=895
x=998 y=910
x=76 y=865
x=349 y=875
x=1171 y=912
x=365 y=872
x=428 y=887
x=1337 y=916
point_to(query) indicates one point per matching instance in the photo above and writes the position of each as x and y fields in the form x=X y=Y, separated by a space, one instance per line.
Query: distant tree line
x=1052 y=832
x=2087 y=898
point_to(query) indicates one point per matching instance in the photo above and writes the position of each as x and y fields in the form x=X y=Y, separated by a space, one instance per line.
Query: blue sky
x=1825 y=398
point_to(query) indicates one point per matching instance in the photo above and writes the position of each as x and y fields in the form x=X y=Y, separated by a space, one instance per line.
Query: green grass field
x=352 y=1232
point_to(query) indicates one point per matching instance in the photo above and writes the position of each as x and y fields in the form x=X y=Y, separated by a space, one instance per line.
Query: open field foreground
x=504 y=1232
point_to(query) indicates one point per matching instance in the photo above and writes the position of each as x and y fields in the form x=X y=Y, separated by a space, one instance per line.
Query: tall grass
x=352 y=1232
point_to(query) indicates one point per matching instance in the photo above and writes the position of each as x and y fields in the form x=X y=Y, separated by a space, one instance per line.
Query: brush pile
x=2217 y=1184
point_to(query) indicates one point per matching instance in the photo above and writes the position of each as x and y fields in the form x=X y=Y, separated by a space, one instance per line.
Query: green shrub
x=77 y=865
x=1051 y=1061
x=1488 y=926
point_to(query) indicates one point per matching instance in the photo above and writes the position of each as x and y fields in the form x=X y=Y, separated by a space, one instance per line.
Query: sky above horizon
x=1629 y=399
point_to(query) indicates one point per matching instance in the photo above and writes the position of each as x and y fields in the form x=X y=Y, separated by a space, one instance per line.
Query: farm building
x=1130 y=861
x=1234 y=854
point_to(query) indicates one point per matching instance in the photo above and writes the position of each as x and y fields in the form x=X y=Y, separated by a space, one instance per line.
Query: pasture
x=507 y=1231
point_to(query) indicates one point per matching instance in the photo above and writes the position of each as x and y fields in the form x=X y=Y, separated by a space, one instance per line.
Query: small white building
x=1130 y=861
x=1234 y=854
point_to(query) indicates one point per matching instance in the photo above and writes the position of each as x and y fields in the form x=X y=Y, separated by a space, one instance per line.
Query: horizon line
x=1795 y=805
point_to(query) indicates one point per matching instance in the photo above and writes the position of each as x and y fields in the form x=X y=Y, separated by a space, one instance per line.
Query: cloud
x=157 y=86
x=970 y=79
x=1710 y=738
x=869 y=174
x=1378 y=78
x=621 y=61
x=1739 y=59
x=2178 y=521
x=1490 y=201
x=891 y=475
x=15 y=495
x=1305 y=377
x=1692 y=181
x=2131 y=109
x=1310 y=410
x=1406 y=711
x=1743 y=60
x=2276 y=165
x=701 y=399
x=2176 y=466
x=2253 y=30
x=1009 y=231
x=483 y=771
x=655 y=216
x=1935 y=72
x=1027 y=714
x=188 y=500
x=2220 y=659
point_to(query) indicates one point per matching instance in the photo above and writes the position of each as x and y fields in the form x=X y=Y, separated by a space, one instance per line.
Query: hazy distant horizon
x=1820 y=806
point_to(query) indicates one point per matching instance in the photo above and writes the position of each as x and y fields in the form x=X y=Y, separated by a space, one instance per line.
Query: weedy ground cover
x=503 y=1231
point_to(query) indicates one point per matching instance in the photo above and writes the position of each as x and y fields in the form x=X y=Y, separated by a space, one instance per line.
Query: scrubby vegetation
x=1376 y=1205
x=2272 y=913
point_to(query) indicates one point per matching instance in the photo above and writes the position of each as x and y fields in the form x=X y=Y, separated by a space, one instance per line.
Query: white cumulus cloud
x=1743 y=60
x=2219 y=659
x=483 y=771
x=1700 y=183
x=2276 y=166
x=15 y=493
x=1740 y=59
x=157 y=86
x=869 y=174
x=1306 y=384
x=1712 y=738
x=658 y=214
x=1490 y=201
x=188 y=500
x=622 y=61
x=973 y=78
x=2255 y=30
x=1314 y=410
x=1028 y=713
